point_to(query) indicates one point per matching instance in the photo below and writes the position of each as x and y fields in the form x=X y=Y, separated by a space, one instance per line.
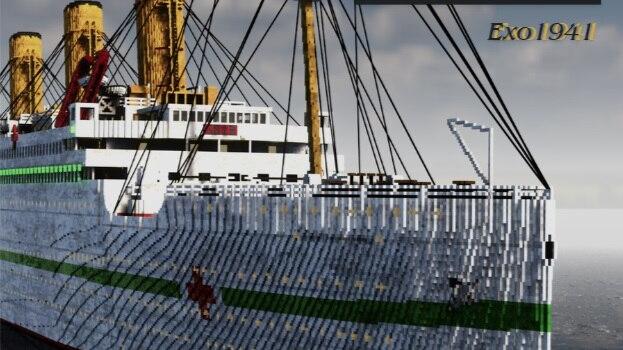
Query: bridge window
x=176 y=116
x=262 y=118
x=87 y=113
x=223 y=117
x=184 y=116
x=247 y=118
x=232 y=117
x=192 y=116
x=234 y=146
x=239 y=118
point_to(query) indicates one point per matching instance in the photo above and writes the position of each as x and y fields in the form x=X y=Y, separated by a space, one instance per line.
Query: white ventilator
x=487 y=180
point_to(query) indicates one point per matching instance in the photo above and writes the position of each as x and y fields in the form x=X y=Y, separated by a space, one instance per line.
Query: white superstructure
x=243 y=144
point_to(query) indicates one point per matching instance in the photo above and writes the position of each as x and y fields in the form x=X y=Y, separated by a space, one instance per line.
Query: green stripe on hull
x=96 y=275
x=486 y=314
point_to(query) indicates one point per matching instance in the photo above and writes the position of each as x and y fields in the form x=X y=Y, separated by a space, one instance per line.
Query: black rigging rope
x=203 y=54
x=218 y=57
x=378 y=91
x=501 y=121
x=3 y=75
x=322 y=128
x=207 y=27
x=183 y=169
x=469 y=83
x=219 y=101
x=285 y=138
x=357 y=93
x=245 y=70
x=166 y=76
x=50 y=61
x=123 y=31
x=325 y=68
x=128 y=67
x=482 y=65
x=350 y=66
x=364 y=116
x=385 y=89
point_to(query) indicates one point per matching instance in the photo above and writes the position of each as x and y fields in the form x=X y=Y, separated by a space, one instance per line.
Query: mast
x=312 y=116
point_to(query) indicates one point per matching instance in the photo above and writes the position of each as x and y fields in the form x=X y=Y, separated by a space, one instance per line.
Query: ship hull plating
x=295 y=266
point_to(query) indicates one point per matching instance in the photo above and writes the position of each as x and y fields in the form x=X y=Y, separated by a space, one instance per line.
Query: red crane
x=92 y=66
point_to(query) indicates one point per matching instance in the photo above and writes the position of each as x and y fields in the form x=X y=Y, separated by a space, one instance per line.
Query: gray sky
x=581 y=231
x=565 y=96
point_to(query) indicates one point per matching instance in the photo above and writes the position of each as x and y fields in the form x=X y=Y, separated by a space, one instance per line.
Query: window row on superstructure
x=44 y=149
x=219 y=117
x=228 y=113
x=206 y=145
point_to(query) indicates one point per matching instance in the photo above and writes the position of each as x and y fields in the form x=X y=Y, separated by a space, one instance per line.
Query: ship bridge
x=235 y=127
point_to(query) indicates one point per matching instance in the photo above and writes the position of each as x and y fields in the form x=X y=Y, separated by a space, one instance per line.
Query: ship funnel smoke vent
x=26 y=60
x=161 y=48
x=84 y=33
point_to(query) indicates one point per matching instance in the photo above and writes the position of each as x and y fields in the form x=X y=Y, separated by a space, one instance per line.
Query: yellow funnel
x=26 y=59
x=84 y=29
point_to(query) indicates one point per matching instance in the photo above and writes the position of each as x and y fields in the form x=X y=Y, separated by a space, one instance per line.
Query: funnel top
x=83 y=2
x=15 y=35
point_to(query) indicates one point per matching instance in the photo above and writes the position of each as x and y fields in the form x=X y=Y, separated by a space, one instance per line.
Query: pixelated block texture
x=297 y=267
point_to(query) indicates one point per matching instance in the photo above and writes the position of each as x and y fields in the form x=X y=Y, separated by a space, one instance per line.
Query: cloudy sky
x=564 y=95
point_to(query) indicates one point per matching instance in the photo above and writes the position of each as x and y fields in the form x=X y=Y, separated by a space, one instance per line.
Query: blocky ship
x=255 y=245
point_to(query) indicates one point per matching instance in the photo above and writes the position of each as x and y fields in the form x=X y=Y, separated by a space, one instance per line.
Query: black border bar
x=478 y=2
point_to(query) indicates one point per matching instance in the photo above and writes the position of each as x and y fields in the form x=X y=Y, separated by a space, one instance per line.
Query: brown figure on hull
x=201 y=293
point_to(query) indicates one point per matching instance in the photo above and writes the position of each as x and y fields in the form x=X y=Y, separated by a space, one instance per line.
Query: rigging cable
x=53 y=56
x=376 y=86
x=165 y=77
x=480 y=61
x=218 y=57
x=192 y=115
x=189 y=159
x=364 y=116
x=350 y=66
x=468 y=81
x=322 y=121
x=192 y=57
x=512 y=138
x=391 y=100
x=128 y=67
x=292 y=64
x=357 y=95
x=124 y=30
x=325 y=65
x=230 y=55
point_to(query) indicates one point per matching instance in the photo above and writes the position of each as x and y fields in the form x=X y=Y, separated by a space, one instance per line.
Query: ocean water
x=588 y=301
x=588 y=279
